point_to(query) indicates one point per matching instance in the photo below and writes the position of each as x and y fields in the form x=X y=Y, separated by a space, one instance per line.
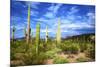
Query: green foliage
x=90 y=52
x=26 y=53
x=70 y=48
x=52 y=53
x=32 y=58
x=60 y=60
x=83 y=46
x=73 y=48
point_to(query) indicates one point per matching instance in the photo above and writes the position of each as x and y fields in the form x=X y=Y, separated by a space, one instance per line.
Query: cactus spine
x=58 y=33
x=37 y=36
x=28 y=26
x=46 y=39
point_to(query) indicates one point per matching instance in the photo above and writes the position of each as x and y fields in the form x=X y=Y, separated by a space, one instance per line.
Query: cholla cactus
x=58 y=33
x=28 y=25
x=46 y=38
x=13 y=34
x=37 y=36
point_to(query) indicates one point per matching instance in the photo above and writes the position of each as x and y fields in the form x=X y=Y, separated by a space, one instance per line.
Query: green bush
x=34 y=58
x=90 y=52
x=83 y=46
x=73 y=48
x=60 y=60
x=52 y=53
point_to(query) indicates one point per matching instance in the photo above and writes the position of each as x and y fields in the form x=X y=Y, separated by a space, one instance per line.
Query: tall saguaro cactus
x=46 y=38
x=25 y=33
x=58 y=33
x=28 y=25
x=37 y=36
x=13 y=34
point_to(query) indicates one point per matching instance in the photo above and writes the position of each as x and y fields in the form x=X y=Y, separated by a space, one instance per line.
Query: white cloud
x=74 y=26
x=56 y=8
x=49 y=30
x=91 y=15
x=34 y=13
x=14 y=18
x=33 y=4
x=91 y=18
x=42 y=20
x=73 y=10
x=53 y=9
x=49 y=15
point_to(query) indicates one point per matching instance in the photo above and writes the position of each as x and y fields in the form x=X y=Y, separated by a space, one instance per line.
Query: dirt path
x=49 y=61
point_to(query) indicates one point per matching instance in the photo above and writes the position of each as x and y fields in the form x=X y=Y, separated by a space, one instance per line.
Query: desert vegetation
x=35 y=50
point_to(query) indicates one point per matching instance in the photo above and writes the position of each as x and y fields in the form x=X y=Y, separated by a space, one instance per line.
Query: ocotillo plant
x=37 y=36
x=28 y=25
x=13 y=34
x=46 y=38
x=58 y=33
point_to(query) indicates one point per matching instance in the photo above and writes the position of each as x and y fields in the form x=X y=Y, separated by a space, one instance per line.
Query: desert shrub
x=31 y=57
x=60 y=60
x=83 y=46
x=52 y=53
x=34 y=59
x=90 y=52
x=12 y=53
x=72 y=48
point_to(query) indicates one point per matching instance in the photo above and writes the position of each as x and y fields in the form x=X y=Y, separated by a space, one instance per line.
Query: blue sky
x=75 y=19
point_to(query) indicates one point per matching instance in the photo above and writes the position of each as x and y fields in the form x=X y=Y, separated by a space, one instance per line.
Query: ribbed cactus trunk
x=13 y=34
x=37 y=37
x=31 y=37
x=28 y=25
x=58 y=33
x=46 y=38
x=25 y=33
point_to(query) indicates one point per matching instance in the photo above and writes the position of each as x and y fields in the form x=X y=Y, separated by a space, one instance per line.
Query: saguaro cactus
x=25 y=33
x=13 y=34
x=28 y=25
x=58 y=33
x=46 y=38
x=37 y=36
